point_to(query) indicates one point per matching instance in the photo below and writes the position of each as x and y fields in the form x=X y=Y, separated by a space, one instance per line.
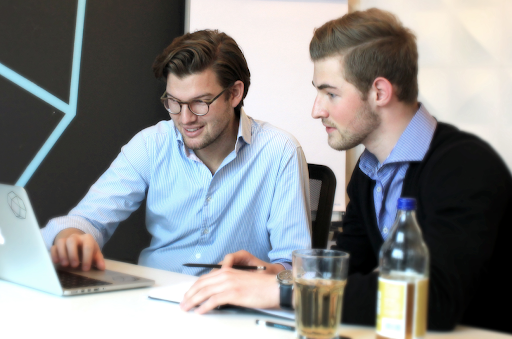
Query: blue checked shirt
x=258 y=200
x=389 y=176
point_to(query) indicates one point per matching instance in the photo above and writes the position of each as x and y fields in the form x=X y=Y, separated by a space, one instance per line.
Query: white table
x=27 y=313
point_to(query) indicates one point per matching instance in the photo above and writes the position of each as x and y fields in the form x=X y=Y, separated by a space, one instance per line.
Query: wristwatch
x=285 y=280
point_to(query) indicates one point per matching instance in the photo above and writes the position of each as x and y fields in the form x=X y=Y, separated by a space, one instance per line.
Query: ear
x=382 y=91
x=237 y=93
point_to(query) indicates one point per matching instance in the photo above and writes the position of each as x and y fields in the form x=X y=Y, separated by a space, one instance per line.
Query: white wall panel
x=465 y=75
x=275 y=36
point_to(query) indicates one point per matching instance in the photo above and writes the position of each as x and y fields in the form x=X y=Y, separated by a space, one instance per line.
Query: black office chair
x=322 y=186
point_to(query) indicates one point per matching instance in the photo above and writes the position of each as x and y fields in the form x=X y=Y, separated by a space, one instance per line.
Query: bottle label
x=402 y=308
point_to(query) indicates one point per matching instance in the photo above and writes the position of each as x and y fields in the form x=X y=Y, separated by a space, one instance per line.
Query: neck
x=214 y=154
x=395 y=118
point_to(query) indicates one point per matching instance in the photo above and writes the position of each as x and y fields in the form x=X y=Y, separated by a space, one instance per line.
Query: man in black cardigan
x=462 y=186
x=366 y=80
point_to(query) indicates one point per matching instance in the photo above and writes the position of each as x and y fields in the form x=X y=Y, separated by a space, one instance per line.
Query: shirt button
x=198 y=255
x=378 y=189
x=208 y=199
x=206 y=231
x=385 y=230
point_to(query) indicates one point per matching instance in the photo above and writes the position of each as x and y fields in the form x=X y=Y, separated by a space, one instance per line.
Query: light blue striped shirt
x=258 y=200
x=389 y=176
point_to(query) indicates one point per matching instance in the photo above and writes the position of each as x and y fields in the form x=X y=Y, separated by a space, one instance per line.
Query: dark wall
x=118 y=96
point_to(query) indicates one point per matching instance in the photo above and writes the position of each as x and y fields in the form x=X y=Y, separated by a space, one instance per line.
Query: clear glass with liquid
x=319 y=278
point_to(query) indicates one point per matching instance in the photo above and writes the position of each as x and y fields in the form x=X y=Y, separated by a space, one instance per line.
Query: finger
x=245 y=258
x=192 y=291
x=98 y=259
x=247 y=290
x=203 y=281
x=55 y=254
x=62 y=252
x=219 y=299
x=72 y=244
x=228 y=261
x=88 y=248
x=202 y=296
x=204 y=288
x=240 y=258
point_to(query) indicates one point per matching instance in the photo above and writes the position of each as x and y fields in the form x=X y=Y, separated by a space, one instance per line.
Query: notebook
x=175 y=293
x=25 y=260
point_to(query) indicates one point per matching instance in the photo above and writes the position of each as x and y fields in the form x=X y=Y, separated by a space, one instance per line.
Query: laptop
x=25 y=260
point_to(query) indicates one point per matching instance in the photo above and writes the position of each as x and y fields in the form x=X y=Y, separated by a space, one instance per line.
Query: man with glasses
x=216 y=180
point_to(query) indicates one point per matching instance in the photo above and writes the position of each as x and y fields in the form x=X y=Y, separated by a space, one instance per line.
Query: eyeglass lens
x=197 y=107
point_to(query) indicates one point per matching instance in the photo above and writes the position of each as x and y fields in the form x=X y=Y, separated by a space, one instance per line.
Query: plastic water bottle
x=403 y=278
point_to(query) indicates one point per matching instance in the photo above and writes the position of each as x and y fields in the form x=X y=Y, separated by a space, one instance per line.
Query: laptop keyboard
x=70 y=280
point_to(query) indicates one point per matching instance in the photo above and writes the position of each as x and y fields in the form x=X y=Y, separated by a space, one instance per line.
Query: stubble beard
x=206 y=140
x=215 y=131
x=366 y=121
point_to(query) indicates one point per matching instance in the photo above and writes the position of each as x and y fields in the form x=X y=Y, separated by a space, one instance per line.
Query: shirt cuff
x=286 y=265
x=56 y=225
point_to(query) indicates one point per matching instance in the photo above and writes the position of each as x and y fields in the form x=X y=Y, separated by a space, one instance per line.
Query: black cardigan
x=464 y=191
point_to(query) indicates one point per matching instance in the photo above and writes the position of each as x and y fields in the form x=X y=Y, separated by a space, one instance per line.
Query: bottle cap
x=407 y=204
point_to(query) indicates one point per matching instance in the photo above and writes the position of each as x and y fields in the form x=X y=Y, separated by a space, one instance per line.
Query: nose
x=186 y=116
x=318 y=110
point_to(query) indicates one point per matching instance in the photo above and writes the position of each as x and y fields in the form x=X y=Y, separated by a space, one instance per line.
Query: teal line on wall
x=69 y=109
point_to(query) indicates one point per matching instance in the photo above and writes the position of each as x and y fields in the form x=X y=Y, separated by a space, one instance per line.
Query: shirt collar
x=412 y=145
x=244 y=135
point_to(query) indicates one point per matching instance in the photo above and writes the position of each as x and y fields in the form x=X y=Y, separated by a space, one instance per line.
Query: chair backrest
x=322 y=186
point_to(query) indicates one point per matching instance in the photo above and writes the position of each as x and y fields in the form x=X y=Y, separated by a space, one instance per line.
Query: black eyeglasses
x=198 y=107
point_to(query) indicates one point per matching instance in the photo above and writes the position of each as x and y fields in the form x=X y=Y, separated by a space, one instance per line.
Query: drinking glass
x=319 y=278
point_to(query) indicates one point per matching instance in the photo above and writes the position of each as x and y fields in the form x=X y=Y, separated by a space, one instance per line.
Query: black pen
x=271 y=324
x=286 y=327
x=238 y=267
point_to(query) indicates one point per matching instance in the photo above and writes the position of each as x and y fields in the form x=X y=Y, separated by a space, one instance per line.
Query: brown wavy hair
x=195 y=52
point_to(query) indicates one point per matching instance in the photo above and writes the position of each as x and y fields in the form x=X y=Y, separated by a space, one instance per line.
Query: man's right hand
x=245 y=258
x=72 y=246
